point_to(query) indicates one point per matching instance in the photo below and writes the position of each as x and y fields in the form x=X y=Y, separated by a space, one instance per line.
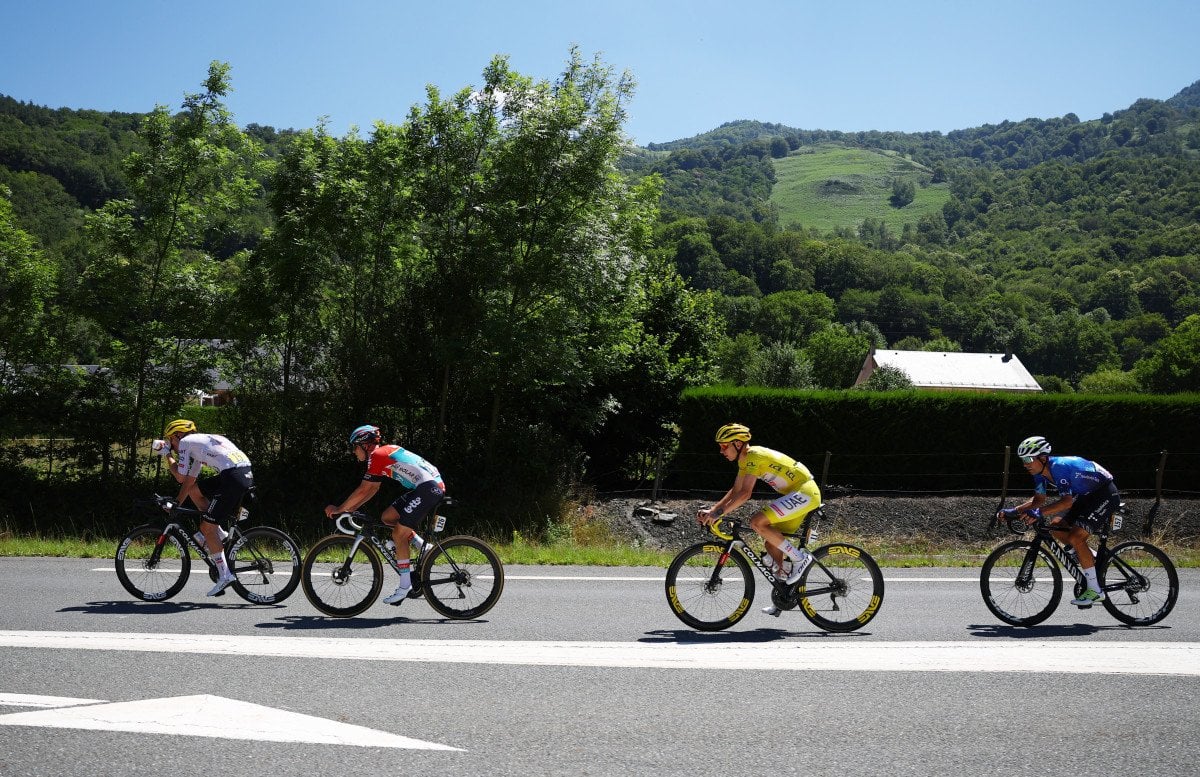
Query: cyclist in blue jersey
x=426 y=490
x=1087 y=498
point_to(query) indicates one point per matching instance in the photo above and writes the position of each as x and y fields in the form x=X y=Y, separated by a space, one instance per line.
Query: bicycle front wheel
x=709 y=589
x=842 y=589
x=266 y=563
x=1020 y=583
x=461 y=577
x=151 y=565
x=340 y=583
x=1140 y=584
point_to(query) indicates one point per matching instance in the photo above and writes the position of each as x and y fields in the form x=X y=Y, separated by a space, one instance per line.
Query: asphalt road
x=581 y=670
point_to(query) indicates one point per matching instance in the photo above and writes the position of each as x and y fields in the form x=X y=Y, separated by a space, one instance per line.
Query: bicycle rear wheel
x=266 y=563
x=1140 y=584
x=338 y=583
x=842 y=589
x=1019 y=586
x=708 y=589
x=461 y=577
x=151 y=565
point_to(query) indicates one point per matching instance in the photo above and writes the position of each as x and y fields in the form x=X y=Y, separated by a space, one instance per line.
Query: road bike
x=461 y=576
x=1022 y=585
x=710 y=585
x=154 y=560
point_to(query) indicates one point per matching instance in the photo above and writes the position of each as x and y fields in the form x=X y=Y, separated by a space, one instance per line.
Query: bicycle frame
x=432 y=526
x=185 y=531
x=807 y=531
x=1060 y=553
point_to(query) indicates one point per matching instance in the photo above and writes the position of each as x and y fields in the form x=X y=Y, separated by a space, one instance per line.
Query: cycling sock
x=221 y=564
x=794 y=553
x=405 y=574
x=1092 y=582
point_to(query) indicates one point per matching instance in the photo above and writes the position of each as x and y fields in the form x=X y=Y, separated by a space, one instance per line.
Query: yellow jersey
x=778 y=470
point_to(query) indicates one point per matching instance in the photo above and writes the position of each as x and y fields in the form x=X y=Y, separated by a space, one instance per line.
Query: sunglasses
x=1028 y=459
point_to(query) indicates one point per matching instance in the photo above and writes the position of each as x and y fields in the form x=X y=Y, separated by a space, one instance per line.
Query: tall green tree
x=190 y=177
x=837 y=356
x=1174 y=364
x=26 y=284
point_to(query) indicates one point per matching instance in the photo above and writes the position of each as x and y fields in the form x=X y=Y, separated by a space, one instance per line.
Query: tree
x=191 y=175
x=837 y=356
x=26 y=284
x=903 y=192
x=1110 y=382
x=1174 y=364
x=781 y=365
x=792 y=316
x=887 y=377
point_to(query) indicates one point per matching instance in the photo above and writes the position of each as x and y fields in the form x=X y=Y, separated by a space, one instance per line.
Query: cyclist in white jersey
x=234 y=478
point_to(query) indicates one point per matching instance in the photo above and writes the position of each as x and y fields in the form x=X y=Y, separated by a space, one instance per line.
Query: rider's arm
x=360 y=496
x=743 y=487
x=1060 y=506
x=187 y=487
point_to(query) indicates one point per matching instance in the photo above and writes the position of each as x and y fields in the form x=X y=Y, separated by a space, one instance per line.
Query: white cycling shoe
x=397 y=596
x=221 y=585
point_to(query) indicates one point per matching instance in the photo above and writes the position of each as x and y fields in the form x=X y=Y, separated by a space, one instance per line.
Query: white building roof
x=948 y=370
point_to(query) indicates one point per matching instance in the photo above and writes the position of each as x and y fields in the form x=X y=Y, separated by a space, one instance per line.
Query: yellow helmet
x=179 y=425
x=731 y=432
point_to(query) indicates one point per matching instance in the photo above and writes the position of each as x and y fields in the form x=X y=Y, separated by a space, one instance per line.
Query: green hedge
x=953 y=441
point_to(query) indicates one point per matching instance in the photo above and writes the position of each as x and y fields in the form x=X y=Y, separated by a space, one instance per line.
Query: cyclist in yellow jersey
x=800 y=496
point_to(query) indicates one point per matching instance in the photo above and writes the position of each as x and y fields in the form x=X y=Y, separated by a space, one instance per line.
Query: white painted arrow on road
x=201 y=716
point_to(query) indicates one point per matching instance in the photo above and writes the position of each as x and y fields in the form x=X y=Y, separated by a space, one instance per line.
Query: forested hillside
x=494 y=275
x=1074 y=243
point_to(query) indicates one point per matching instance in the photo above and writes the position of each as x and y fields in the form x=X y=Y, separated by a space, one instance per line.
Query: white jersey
x=198 y=449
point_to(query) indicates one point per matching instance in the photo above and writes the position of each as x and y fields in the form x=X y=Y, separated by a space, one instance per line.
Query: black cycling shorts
x=418 y=503
x=1092 y=510
x=231 y=486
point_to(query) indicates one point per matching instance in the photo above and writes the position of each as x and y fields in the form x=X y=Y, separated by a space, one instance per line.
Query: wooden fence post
x=1148 y=526
x=657 y=476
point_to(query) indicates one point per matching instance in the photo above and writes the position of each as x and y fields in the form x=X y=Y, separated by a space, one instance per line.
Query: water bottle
x=391 y=546
x=200 y=540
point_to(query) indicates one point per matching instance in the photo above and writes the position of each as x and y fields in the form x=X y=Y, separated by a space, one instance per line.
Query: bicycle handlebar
x=351 y=523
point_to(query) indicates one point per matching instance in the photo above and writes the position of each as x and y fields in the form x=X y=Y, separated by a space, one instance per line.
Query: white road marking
x=214 y=716
x=30 y=700
x=1071 y=657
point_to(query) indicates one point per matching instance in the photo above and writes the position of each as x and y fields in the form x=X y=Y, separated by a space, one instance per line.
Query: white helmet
x=1033 y=446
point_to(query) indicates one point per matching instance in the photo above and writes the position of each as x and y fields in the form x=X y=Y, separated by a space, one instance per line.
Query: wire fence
x=1155 y=473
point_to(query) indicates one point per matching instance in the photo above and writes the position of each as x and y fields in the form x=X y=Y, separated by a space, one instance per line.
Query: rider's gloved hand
x=160 y=447
x=1008 y=512
x=1035 y=514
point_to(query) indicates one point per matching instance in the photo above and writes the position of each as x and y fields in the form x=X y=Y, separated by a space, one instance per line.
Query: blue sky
x=907 y=65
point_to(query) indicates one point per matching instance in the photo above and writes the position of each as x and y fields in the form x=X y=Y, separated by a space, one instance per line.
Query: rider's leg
x=401 y=535
x=1077 y=538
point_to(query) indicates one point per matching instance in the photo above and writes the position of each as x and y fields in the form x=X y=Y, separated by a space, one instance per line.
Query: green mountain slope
x=830 y=186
